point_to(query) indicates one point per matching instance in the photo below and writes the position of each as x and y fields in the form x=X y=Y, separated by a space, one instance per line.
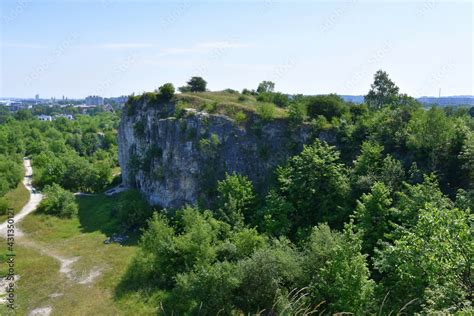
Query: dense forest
x=379 y=222
x=78 y=155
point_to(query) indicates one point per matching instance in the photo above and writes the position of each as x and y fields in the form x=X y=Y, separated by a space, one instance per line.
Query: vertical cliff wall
x=175 y=161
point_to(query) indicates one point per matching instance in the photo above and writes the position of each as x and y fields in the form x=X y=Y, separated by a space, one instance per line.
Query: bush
x=242 y=98
x=248 y=92
x=179 y=109
x=210 y=289
x=133 y=210
x=166 y=91
x=209 y=146
x=327 y=105
x=11 y=173
x=336 y=271
x=4 y=206
x=58 y=202
x=139 y=129
x=317 y=186
x=235 y=199
x=271 y=272
x=240 y=117
x=197 y=84
x=297 y=112
x=266 y=111
x=265 y=86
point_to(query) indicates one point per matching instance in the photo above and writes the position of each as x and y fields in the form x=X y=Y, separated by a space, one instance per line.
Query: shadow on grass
x=99 y=213
x=138 y=285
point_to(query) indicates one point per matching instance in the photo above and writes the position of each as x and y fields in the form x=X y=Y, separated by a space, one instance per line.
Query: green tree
x=235 y=199
x=297 y=113
x=133 y=210
x=430 y=135
x=431 y=262
x=316 y=184
x=58 y=202
x=328 y=106
x=413 y=197
x=266 y=86
x=197 y=84
x=270 y=273
x=210 y=290
x=372 y=216
x=266 y=111
x=166 y=91
x=336 y=272
x=371 y=166
x=383 y=91
x=11 y=173
x=467 y=158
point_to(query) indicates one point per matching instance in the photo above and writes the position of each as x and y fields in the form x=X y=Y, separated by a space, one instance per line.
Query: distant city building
x=120 y=100
x=67 y=116
x=43 y=117
x=107 y=107
x=94 y=100
x=84 y=107
x=37 y=97
x=16 y=106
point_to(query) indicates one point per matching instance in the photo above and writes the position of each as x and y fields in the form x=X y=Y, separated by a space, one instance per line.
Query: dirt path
x=65 y=263
x=34 y=201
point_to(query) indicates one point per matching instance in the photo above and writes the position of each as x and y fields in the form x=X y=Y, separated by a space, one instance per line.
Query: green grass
x=227 y=103
x=81 y=237
x=16 y=199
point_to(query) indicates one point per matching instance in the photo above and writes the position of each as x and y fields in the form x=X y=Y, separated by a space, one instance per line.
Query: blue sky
x=112 y=47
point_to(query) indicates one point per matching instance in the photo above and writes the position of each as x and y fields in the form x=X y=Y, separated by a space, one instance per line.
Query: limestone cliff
x=176 y=160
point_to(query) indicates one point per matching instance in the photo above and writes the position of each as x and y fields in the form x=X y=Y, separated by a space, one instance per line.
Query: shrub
x=209 y=146
x=179 y=109
x=265 y=86
x=133 y=210
x=166 y=91
x=4 y=206
x=240 y=117
x=11 y=173
x=231 y=91
x=139 y=129
x=316 y=184
x=269 y=273
x=211 y=107
x=197 y=84
x=248 y=92
x=327 y=105
x=210 y=288
x=337 y=272
x=235 y=199
x=58 y=202
x=266 y=111
x=242 y=98
x=297 y=112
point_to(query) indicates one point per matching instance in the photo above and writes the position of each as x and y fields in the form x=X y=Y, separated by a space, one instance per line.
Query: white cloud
x=202 y=48
x=127 y=45
x=21 y=45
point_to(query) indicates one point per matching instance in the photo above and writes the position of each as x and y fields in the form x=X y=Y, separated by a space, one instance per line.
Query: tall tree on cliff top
x=197 y=84
x=382 y=91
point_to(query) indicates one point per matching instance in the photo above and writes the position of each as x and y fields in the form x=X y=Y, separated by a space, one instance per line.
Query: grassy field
x=16 y=199
x=225 y=103
x=41 y=284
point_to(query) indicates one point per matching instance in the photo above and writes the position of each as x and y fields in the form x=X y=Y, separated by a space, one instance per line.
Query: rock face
x=176 y=161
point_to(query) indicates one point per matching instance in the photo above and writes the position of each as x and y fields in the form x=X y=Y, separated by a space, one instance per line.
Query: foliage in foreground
x=207 y=266
x=380 y=224
x=58 y=202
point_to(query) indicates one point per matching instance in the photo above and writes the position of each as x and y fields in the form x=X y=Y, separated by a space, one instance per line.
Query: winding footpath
x=65 y=263
x=31 y=205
